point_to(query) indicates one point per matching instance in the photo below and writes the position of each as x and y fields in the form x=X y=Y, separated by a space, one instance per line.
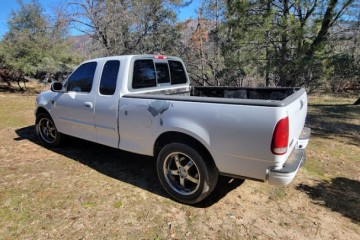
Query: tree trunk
x=325 y=25
x=284 y=45
x=267 y=35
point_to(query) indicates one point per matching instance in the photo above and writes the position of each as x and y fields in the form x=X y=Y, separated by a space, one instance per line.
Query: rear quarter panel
x=237 y=136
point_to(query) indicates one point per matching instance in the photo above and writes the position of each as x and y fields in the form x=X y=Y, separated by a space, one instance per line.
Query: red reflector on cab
x=280 y=139
x=160 y=57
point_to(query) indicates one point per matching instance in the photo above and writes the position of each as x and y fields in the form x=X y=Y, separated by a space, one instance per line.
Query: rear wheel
x=184 y=174
x=46 y=130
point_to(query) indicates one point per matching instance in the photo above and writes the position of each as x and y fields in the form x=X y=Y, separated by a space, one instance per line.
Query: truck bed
x=236 y=124
x=272 y=97
x=244 y=93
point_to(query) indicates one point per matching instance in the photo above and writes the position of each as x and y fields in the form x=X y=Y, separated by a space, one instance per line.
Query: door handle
x=88 y=104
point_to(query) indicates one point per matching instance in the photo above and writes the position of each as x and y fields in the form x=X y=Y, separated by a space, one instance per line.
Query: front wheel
x=184 y=173
x=46 y=130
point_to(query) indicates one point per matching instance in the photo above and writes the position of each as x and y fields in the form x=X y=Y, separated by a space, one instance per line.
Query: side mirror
x=56 y=86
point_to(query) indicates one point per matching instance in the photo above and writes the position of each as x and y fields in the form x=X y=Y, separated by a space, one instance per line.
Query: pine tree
x=34 y=43
x=286 y=41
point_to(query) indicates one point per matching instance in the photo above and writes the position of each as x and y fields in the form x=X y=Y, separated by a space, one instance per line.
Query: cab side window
x=109 y=77
x=82 y=79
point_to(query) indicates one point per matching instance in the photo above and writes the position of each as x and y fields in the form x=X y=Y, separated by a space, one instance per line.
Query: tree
x=343 y=65
x=35 y=43
x=288 y=39
x=201 y=44
x=248 y=48
x=125 y=27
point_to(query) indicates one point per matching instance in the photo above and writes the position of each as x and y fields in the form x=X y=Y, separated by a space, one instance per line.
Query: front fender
x=43 y=101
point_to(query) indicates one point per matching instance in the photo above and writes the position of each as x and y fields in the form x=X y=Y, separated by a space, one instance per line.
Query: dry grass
x=88 y=191
x=335 y=141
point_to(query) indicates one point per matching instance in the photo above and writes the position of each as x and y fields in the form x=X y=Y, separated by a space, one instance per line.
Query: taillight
x=160 y=57
x=279 y=143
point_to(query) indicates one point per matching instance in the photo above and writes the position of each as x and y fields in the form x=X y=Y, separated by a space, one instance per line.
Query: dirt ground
x=88 y=191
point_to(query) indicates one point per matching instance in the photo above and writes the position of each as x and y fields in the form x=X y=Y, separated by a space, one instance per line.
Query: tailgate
x=296 y=111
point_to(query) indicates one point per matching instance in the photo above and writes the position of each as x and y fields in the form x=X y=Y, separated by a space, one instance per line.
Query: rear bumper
x=283 y=176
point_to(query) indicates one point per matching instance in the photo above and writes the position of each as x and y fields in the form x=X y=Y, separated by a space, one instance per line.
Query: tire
x=184 y=173
x=46 y=130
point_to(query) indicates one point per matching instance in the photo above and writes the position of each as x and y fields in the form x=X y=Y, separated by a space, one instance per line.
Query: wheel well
x=170 y=137
x=41 y=110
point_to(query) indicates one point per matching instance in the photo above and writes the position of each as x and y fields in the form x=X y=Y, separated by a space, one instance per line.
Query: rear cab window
x=148 y=73
x=144 y=74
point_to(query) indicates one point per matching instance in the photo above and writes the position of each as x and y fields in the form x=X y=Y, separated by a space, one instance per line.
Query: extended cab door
x=106 y=105
x=73 y=109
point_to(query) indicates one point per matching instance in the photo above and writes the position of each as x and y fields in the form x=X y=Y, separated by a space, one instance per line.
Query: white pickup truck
x=145 y=104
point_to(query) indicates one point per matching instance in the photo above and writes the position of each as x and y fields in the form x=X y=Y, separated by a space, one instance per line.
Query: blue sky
x=6 y=6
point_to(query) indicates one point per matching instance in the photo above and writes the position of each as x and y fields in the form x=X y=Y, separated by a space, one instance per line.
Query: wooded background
x=309 y=43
